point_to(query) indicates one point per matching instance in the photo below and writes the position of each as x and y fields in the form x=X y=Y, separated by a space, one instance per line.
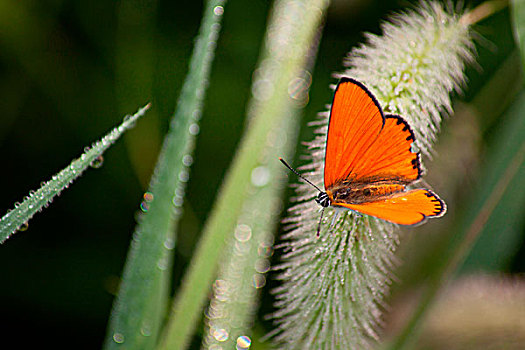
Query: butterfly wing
x=404 y=208
x=363 y=144
x=356 y=120
x=390 y=156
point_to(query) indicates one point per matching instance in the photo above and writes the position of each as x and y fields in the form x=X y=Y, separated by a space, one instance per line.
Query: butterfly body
x=362 y=192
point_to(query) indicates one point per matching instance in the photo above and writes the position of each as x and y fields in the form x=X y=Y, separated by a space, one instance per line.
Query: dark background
x=70 y=71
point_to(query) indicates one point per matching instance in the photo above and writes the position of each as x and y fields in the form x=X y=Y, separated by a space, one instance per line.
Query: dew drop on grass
x=187 y=160
x=118 y=338
x=184 y=176
x=169 y=243
x=162 y=264
x=262 y=265
x=220 y=334
x=97 y=162
x=243 y=342
x=218 y=10
x=243 y=233
x=144 y=206
x=259 y=280
x=145 y=330
x=194 y=129
x=260 y=176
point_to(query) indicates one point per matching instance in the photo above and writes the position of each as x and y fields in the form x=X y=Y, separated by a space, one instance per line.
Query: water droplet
x=184 y=176
x=97 y=162
x=178 y=201
x=259 y=280
x=243 y=342
x=215 y=347
x=144 y=206
x=218 y=10
x=194 y=129
x=220 y=334
x=265 y=250
x=169 y=243
x=243 y=233
x=179 y=191
x=23 y=227
x=187 y=160
x=148 y=196
x=262 y=265
x=118 y=338
x=162 y=264
x=145 y=330
x=260 y=176
x=298 y=88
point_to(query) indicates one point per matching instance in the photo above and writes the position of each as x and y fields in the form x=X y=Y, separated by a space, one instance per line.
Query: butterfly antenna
x=301 y=176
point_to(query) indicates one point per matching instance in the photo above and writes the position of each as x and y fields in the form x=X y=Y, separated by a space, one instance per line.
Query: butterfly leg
x=334 y=218
x=319 y=224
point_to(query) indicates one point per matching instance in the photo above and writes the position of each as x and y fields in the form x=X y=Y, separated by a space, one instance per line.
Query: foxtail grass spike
x=333 y=287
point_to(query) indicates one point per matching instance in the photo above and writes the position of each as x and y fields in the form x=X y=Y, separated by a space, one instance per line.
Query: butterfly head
x=323 y=199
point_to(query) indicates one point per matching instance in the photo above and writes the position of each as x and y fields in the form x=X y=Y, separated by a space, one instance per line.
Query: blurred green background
x=70 y=70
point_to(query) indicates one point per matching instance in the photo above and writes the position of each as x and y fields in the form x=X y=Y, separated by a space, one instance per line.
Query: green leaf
x=142 y=301
x=18 y=217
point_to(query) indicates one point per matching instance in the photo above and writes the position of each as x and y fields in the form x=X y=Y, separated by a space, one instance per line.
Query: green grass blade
x=502 y=229
x=141 y=304
x=297 y=36
x=518 y=17
x=246 y=257
x=37 y=200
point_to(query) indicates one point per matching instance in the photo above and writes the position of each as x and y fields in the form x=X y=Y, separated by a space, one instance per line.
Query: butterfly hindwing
x=404 y=208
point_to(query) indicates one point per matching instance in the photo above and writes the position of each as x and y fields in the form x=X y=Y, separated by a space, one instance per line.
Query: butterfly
x=369 y=161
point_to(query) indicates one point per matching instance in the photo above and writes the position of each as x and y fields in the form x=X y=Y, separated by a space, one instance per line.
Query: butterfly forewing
x=390 y=156
x=355 y=122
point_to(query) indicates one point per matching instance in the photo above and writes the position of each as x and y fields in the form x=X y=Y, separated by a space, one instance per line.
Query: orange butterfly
x=369 y=161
